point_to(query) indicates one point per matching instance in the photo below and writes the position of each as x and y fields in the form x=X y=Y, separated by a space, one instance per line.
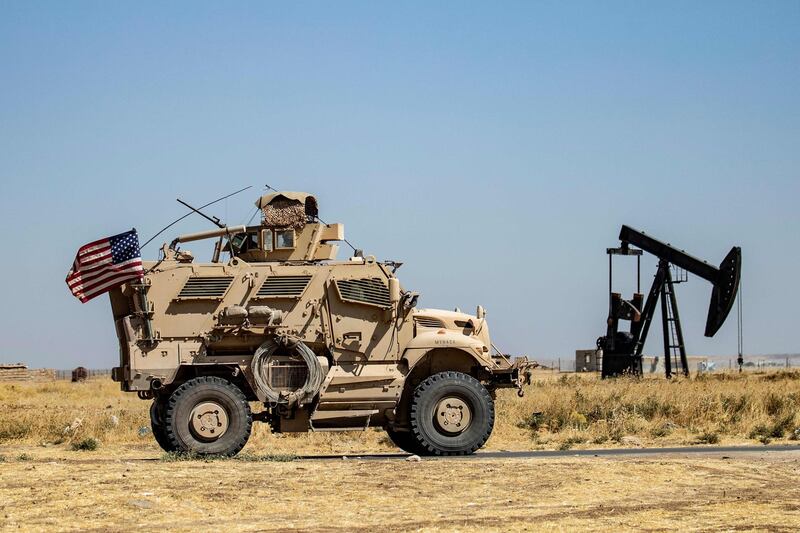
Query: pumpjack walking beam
x=724 y=279
x=622 y=351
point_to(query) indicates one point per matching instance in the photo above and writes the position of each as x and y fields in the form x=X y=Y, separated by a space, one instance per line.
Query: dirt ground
x=124 y=487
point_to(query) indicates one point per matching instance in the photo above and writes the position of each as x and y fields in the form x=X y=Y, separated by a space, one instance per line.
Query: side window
x=284 y=239
x=266 y=240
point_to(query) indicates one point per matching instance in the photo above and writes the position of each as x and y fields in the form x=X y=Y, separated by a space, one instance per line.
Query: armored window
x=284 y=239
x=367 y=291
x=266 y=240
x=243 y=242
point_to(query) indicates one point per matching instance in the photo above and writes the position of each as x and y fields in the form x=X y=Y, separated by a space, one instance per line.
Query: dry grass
x=50 y=480
x=580 y=410
x=556 y=412
x=118 y=489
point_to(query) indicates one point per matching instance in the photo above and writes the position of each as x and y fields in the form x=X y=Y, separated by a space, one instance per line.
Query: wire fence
x=90 y=373
x=697 y=364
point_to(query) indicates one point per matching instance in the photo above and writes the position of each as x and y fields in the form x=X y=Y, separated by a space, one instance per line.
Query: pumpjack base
x=615 y=365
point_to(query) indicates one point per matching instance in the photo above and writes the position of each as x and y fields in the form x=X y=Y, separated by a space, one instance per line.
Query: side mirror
x=394 y=291
x=480 y=313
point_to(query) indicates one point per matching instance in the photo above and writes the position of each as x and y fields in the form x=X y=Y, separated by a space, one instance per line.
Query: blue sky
x=495 y=148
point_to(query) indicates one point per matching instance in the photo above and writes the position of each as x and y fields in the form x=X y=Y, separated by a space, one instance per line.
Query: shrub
x=758 y=431
x=708 y=437
x=533 y=422
x=89 y=444
x=774 y=403
x=781 y=425
x=662 y=430
x=569 y=442
x=14 y=429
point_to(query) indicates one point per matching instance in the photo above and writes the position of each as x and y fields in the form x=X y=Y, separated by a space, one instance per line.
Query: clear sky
x=493 y=147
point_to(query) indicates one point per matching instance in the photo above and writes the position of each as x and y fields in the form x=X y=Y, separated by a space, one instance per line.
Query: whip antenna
x=165 y=228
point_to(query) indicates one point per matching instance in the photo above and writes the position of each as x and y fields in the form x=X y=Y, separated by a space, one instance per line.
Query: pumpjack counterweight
x=622 y=350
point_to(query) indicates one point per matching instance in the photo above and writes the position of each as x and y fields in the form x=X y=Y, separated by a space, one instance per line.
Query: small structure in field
x=21 y=372
x=80 y=374
x=588 y=360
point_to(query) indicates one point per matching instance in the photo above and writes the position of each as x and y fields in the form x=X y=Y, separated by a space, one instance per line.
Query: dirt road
x=116 y=489
x=726 y=451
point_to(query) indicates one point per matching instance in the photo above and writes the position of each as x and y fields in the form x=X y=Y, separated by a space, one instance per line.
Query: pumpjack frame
x=622 y=350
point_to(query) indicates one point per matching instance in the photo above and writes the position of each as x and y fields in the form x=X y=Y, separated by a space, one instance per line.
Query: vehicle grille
x=368 y=291
x=287 y=375
x=428 y=322
x=283 y=286
x=205 y=287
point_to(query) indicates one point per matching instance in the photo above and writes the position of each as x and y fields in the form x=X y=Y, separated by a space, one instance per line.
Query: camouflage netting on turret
x=284 y=214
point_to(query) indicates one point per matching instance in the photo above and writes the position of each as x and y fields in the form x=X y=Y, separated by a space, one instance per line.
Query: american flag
x=102 y=265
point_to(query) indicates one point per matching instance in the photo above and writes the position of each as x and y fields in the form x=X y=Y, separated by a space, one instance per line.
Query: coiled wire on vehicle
x=260 y=371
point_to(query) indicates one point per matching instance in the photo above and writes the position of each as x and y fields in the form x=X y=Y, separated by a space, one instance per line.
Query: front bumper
x=513 y=375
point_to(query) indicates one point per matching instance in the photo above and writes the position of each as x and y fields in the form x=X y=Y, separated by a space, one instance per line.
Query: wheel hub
x=208 y=421
x=453 y=415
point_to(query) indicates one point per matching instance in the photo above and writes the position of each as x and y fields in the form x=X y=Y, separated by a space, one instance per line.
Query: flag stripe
x=117 y=280
x=85 y=281
x=95 y=257
x=93 y=265
x=86 y=250
x=85 y=297
x=105 y=284
x=89 y=268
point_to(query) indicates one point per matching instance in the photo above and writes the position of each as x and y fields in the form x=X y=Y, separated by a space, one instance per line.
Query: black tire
x=405 y=440
x=157 y=423
x=467 y=396
x=231 y=405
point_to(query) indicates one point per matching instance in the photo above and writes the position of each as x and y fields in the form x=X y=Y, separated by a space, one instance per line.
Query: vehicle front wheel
x=451 y=414
x=207 y=416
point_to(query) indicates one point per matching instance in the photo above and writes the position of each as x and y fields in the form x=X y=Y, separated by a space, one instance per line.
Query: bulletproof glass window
x=266 y=240
x=284 y=239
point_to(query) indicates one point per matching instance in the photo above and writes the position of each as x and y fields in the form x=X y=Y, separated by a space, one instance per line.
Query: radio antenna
x=165 y=228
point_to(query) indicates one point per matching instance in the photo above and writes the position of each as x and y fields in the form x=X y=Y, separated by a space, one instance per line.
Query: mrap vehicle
x=320 y=344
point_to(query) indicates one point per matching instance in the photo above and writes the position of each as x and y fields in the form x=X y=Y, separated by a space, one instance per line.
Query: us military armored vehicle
x=275 y=321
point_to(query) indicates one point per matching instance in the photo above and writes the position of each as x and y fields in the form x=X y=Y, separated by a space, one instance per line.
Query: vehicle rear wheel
x=207 y=416
x=157 y=423
x=451 y=414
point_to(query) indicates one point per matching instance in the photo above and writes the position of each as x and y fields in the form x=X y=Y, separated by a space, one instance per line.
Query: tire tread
x=189 y=386
x=428 y=448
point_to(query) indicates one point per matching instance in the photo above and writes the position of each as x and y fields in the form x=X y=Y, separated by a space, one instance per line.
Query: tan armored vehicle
x=320 y=344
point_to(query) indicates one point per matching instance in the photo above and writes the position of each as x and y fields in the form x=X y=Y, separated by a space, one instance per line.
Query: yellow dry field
x=119 y=489
x=128 y=482
x=558 y=412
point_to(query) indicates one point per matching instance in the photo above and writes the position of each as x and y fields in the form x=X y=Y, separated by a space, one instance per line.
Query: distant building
x=21 y=372
x=588 y=360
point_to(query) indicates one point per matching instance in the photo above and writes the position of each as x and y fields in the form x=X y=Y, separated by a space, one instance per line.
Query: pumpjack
x=622 y=350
